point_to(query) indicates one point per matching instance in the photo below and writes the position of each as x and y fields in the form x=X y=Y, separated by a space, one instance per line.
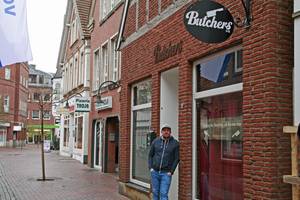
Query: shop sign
x=80 y=104
x=62 y=111
x=162 y=53
x=4 y=124
x=106 y=102
x=17 y=128
x=209 y=21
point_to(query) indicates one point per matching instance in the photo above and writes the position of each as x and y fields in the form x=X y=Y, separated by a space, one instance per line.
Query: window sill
x=138 y=188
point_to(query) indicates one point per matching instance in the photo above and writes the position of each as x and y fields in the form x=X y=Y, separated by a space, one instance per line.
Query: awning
x=46 y=126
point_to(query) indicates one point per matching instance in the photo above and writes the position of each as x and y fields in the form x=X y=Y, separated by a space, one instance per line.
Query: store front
x=226 y=90
x=3 y=135
x=218 y=132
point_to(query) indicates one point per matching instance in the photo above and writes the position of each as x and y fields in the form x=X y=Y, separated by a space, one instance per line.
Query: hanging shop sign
x=209 y=21
x=106 y=102
x=80 y=104
x=162 y=53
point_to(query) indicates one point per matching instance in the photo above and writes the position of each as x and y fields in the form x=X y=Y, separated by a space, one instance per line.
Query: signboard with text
x=209 y=21
x=106 y=102
x=80 y=104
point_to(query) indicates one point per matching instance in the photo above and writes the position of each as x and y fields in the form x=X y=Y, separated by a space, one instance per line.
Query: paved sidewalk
x=20 y=169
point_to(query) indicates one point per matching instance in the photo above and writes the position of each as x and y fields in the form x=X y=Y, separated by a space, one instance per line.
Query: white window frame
x=105 y=62
x=38 y=116
x=47 y=118
x=96 y=69
x=106 y=7
x=7 y=73
x=115 y=58
x=135 y=108
x=204 y=94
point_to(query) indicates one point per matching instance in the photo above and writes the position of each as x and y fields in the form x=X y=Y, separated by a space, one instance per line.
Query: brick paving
x=20 y=169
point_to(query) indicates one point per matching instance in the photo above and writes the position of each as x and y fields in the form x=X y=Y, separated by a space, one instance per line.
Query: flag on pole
x=14 y=40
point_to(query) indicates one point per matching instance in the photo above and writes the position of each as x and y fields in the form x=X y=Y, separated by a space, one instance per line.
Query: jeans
x=161 y=182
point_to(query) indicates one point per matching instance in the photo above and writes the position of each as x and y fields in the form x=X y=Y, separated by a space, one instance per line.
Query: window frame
x=39 y=115
x=7 y=73
x=136 y=108
x=238 y=87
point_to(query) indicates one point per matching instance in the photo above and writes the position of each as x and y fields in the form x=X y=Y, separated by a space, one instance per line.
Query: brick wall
x=267 y=94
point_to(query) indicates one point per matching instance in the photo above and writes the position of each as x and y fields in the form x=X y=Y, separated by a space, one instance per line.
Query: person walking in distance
x=162 y=160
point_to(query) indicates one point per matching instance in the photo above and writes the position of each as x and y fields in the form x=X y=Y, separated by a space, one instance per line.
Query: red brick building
x=39 y=93
x=226 y=102
x=13 y=104
x=105 y=70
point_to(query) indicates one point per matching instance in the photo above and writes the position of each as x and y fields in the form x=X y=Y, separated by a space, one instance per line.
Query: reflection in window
x=141 y=126
x=220 y=71
x=140 y=146
x=220 y=147
x=142 y=93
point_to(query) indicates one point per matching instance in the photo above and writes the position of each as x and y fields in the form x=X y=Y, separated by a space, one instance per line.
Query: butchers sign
x=208 y=21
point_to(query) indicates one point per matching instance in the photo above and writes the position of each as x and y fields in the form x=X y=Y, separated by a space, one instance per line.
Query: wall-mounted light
x=112 y=85
x=67 y=106
x=246 y=22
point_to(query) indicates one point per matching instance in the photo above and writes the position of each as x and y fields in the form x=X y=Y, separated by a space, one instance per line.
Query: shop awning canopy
x=46 y=126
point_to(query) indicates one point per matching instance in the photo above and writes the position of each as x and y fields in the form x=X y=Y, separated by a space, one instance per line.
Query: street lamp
x=67 y=106
x=112 y=85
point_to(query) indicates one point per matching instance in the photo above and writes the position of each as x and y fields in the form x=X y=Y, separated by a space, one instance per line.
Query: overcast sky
x=45 y=23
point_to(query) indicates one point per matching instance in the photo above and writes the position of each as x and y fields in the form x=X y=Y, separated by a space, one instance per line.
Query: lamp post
x=112 y=85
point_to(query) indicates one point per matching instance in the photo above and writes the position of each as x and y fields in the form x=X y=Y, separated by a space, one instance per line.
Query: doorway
x=169 y=113
x=112 y=145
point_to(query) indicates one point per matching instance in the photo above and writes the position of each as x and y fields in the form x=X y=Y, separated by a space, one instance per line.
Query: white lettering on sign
x=9 y=7
x=207 y=21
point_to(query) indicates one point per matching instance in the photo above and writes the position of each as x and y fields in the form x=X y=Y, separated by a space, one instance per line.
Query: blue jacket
x=164 y=155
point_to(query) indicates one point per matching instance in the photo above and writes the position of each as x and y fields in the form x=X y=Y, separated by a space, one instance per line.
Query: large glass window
x=141 y=126
x=66 y=131
x=78 y=132
x=219 y=133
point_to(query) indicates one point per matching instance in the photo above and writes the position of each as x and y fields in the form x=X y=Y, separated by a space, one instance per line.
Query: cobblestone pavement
x=20 y=169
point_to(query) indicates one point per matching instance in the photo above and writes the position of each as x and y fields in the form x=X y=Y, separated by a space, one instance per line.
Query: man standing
x=163 y=160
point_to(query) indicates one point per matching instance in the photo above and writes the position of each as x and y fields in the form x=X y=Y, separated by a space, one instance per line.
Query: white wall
x=297 y=64
x=169 y=113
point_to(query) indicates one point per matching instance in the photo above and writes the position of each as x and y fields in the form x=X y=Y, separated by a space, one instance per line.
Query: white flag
x=14 y=40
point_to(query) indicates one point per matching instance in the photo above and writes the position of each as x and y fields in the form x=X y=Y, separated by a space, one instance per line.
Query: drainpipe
x=296 y=17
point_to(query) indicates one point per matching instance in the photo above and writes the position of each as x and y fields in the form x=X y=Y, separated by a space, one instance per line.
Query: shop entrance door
x=112 y=145
x=169 y=114
x=2 y=137
x=98 y=145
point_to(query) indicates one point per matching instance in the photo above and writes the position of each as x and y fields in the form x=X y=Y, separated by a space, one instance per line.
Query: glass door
x=97 y=145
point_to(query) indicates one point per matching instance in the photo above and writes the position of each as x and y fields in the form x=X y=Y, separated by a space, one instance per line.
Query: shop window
x=219 y=133
x=220 y=71
x=141 y=126
x=78 y=132
x=66 y=132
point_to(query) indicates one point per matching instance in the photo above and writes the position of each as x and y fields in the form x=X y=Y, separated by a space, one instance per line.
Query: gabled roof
x=83 y=8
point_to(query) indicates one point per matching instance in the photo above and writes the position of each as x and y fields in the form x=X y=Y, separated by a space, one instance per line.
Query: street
x=20 y=169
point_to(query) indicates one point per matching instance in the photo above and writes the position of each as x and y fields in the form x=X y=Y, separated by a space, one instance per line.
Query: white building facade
x=74 y=61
